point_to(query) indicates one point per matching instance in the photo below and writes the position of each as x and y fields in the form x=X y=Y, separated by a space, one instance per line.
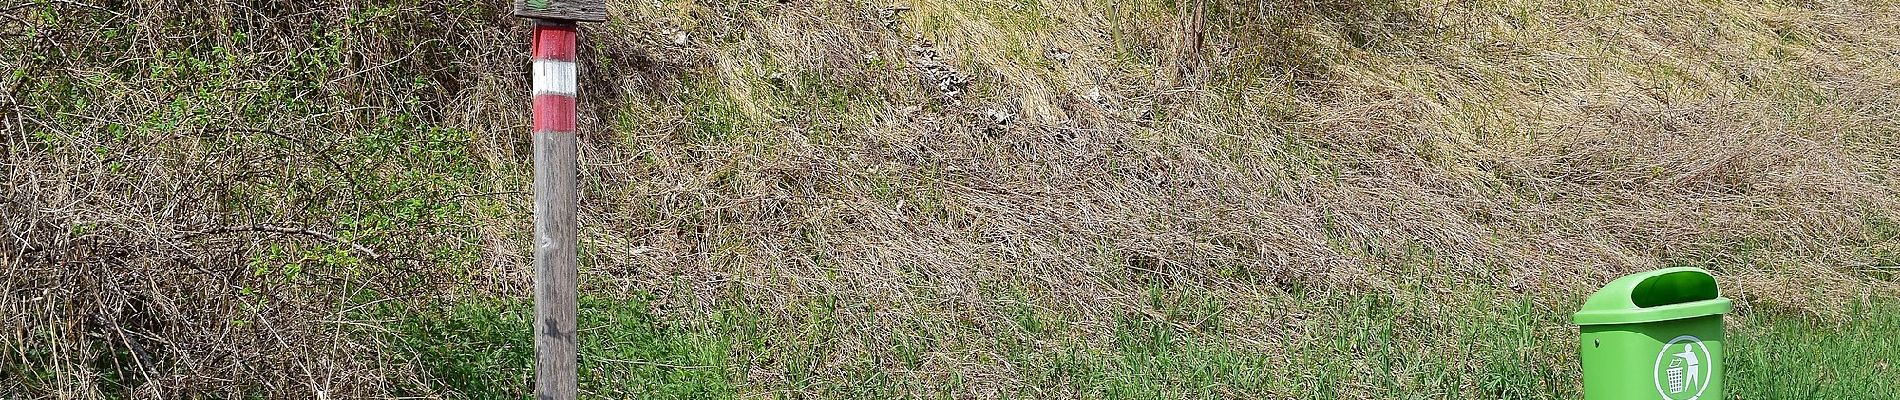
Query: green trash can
x=1654 y=335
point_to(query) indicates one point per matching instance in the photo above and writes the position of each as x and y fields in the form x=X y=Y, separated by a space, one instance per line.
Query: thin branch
x=17 y=7
x=649 y=363
x=373 y=255
x=97 y=8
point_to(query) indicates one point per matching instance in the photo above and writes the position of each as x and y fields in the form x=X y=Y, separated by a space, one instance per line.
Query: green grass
x=482 y=350
x=1795 y=357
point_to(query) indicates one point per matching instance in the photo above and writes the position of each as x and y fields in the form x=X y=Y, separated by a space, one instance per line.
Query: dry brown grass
x=786 y=153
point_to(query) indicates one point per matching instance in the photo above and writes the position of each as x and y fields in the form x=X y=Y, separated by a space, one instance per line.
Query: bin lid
x=1660 y=295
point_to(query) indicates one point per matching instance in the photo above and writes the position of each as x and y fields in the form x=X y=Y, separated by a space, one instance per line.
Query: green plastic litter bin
x=1654 y=335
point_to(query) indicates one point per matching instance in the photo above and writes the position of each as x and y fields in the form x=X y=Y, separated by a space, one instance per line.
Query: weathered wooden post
x=555 y=174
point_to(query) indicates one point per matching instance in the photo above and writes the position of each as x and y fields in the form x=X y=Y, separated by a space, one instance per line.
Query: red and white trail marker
x=556 y=269
x=554 y=77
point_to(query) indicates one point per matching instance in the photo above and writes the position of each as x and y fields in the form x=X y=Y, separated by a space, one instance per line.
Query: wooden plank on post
x=565 y=10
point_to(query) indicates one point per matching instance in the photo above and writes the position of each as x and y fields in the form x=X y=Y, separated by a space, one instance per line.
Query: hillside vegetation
x=943 y=198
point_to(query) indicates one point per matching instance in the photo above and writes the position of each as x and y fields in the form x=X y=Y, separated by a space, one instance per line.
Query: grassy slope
x=1348 y=199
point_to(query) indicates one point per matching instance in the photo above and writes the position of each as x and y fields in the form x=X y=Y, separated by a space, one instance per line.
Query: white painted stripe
x=553 y=77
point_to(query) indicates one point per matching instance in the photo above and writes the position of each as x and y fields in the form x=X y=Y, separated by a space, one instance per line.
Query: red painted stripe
x=554 y=42
x=553 y=113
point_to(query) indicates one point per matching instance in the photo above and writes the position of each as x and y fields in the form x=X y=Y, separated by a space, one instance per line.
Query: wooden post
x=556 y=66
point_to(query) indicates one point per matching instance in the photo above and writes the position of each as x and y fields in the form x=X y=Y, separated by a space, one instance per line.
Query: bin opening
x=1660 y=295
x=1674 y=288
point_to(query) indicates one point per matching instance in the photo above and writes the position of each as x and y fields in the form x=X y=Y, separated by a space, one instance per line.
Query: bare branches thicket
x=195 y=192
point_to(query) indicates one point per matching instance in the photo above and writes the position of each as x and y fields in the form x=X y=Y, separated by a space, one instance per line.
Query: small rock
x=948 y=81
x=999 y=120
x=891 y=14
x=999 y=117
